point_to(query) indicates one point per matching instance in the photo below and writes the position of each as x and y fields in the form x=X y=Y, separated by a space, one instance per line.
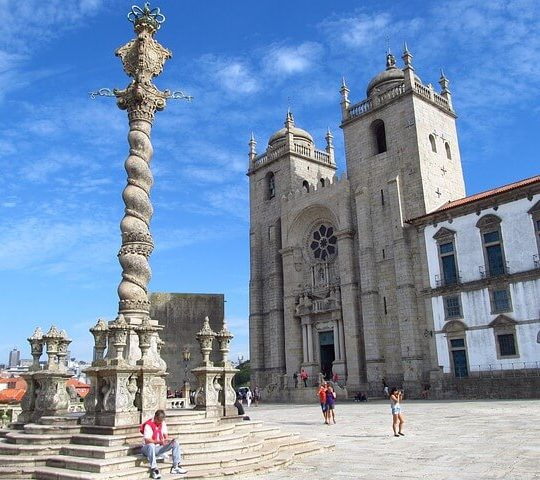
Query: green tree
x=241 y=379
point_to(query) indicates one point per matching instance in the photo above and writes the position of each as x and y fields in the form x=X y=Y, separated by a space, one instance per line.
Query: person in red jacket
x=156 y=442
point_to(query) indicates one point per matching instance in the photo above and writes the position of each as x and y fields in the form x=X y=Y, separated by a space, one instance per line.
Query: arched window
x=270 y=185
x=433 y=144
x=321 y=181
x=379 y=134
x=448 y=151
x=305 y=185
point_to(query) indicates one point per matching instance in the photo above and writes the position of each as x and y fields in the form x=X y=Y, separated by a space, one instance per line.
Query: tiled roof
x=12 y=395
x=19 y=381
x=482 y=195
x=82 y=388
x=489 y=193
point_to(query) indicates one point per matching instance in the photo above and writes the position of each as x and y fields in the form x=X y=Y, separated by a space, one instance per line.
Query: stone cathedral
x=336 y=278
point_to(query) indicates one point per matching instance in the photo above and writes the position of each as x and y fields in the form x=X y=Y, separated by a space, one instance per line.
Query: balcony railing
x=447 y=281
x=500 y=370
x=494 y=271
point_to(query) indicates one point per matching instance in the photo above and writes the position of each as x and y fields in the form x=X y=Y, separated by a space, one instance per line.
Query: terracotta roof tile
x=480 y=196
x=12 y=395
x=489 y=193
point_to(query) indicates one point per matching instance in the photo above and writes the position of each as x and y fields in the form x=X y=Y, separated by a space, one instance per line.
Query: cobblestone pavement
x=458 y=440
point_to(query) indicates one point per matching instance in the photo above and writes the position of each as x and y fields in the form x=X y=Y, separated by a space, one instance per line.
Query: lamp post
x=186 y=354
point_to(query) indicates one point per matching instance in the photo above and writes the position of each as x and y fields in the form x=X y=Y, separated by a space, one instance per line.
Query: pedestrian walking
x=304 y=376
x=256 y=395
x=397 y=417
x=156 y=442
x=385 y=388
x=249 y=397
x=322 y=400
x=295 y=378
x=330 y=404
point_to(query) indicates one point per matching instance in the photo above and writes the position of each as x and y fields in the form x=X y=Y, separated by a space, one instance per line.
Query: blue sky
x=245 y=62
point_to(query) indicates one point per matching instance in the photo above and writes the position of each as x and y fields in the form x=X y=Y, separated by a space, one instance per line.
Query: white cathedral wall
x=519 y=247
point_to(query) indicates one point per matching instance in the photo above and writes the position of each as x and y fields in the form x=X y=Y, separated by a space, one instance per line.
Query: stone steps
x=17 y=449
x=211 y=448
x=37 y=439
x=37 y=429
x=231 y=468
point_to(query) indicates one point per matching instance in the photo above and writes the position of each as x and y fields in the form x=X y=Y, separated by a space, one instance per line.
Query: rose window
x=323 y=243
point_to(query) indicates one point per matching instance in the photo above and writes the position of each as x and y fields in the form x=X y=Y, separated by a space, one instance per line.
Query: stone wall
x=181 y=315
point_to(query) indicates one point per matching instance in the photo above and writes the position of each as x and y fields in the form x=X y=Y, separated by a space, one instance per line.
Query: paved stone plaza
x=487 y=439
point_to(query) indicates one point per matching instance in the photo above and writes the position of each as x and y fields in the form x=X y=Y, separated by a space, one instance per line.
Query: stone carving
x=143 y=58
x=100 y=333
x=224 y=338
x=205 y=337
x=36 y=345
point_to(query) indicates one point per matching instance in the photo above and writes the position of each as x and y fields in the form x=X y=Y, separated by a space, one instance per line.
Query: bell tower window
x=270 y=185
x=379 y=134
x=448 y=151
x=433 y=144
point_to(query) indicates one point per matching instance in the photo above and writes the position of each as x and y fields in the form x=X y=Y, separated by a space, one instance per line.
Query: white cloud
x=55 y=246
x=286 y=60
x=232 y=75
x=237 y=78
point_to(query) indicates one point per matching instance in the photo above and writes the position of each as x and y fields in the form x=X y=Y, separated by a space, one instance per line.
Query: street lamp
x=186 y=354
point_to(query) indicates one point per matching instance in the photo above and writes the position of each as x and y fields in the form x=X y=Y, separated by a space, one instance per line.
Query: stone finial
x=330 y=144
x=289 y=120
x=145 y=331
x=444 y=82
x=224 y=337
x=445 y=91
x=345 y=103
x=52 y=340
x=390 y=60
x=36 y=346
x=99 y=331
x=252 y=147
x=118 y=332
x=63 y=344
x=205 y=337
x=407 y=56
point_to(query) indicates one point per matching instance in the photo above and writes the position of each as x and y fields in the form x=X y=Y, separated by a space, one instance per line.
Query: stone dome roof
x=298 y=133
x=387 y=78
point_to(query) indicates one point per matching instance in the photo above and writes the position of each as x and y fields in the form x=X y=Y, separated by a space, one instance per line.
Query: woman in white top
x=397 y=418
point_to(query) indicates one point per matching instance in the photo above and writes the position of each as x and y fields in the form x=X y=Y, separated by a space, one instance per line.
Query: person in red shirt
x=156 y=442
x=322 y=399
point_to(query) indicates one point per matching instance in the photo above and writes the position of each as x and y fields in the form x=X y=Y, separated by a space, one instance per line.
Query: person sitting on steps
x=156 y=442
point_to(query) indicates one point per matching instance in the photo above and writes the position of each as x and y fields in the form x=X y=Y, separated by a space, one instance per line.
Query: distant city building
x=14 y=357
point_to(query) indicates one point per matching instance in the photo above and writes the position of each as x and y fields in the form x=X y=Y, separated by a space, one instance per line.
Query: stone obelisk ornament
x=128 y=382
x=143 y=59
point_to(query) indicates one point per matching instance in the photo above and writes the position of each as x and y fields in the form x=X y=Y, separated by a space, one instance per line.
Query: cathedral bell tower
x=290 y=163
x=403 y=161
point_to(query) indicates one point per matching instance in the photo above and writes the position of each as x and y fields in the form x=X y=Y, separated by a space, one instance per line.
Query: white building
x=484 y=275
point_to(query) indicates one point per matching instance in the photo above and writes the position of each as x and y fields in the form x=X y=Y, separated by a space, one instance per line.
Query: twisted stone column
x=143 y=58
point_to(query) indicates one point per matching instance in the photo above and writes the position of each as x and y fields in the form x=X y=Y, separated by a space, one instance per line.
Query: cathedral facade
x=338 y=272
